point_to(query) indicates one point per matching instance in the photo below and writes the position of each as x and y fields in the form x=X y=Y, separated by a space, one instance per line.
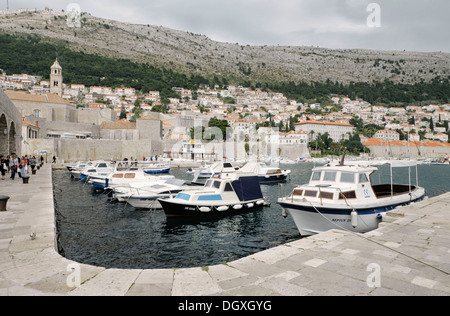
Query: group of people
x=15 y=165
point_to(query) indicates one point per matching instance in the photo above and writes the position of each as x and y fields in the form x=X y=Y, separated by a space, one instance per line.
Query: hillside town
x=52 y=111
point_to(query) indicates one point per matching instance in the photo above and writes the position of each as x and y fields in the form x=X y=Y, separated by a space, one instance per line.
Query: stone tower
x=56 y=79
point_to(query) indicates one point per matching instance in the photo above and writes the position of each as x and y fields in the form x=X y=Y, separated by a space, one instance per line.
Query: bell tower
x=56 y=79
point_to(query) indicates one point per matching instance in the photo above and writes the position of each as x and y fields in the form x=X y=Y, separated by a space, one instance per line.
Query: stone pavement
x=408 y=255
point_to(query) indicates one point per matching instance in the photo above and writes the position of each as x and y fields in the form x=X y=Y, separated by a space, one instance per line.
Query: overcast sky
x=412 y=25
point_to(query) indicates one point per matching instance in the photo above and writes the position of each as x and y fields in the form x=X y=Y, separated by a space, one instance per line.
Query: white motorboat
x=126 y=177
x=157 y=168
x=99 y=169
x=207 y=171
x=219 y=196
x=343 y=197
x=76 y=169
x=264 y=173
x=146 y=197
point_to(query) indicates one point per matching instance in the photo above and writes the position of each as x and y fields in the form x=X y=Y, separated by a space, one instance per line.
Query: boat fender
x=222 y=208
x=380 y=216
x=205 y=209
x=260 y=202
x=250 y=205
x=354 y=217
x=284 y=213
x=237 y=207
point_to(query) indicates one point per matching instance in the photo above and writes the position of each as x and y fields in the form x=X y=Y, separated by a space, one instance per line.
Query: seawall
x=408 y=255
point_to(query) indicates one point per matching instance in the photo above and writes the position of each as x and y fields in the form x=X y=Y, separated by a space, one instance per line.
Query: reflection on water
x=112 y=235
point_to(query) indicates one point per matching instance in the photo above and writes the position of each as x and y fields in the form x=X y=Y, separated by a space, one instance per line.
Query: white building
x=336 y=131
x=101 y=90
x=125 y=92
x=293 y=138
x=387 y=134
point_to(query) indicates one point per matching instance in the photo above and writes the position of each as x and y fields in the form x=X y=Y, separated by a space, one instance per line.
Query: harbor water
x=94 y=231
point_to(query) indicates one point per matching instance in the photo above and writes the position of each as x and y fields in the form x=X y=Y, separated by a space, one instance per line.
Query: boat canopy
x=251 y=167
x=392 y=163
x=247 y=188
x=258 y=168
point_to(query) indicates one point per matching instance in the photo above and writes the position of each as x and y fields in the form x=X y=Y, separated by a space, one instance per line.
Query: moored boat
x=99 y=169
x=157 y=169
x=265 y=174
x=126 y=177
x=343 y=197
x=219 y=196
x=76 y=169
x=147 y=197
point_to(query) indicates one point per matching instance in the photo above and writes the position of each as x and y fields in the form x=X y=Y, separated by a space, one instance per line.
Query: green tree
x=123 y=113
x=221 y=124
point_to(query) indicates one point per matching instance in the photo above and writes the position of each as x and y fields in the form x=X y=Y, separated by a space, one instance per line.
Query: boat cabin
x=234 y=190
x=342 y=183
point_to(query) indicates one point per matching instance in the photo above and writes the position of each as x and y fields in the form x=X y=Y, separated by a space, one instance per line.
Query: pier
x=409 y=254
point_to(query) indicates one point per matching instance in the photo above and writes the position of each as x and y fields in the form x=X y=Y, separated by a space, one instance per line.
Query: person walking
x=23 y=167
x=8 y=158
x=3 y=167
x=14 y=165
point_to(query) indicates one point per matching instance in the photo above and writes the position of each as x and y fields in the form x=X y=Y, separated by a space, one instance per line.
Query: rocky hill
x=188 y=52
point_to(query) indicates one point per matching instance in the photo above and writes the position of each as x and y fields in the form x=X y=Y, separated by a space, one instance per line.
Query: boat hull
x=158 y=171
x=272 y=178
x=172 y=209
x=144 y=203
x=313 y=220
x=75 y=174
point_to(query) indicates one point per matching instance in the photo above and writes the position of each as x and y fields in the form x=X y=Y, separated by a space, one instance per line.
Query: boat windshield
x=228 y=187
x=347 y=177
x=208 y=184
x=213 y=184
x=330 y=176
x=363 y=178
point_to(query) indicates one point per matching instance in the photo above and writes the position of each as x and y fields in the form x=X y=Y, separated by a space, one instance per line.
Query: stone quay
x=409 y=254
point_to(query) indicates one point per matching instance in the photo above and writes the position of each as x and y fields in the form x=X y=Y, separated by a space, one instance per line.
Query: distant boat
x=126 y=177
x=157 y=169
x=146 y=197
x=207 y=171
x=343 y=197
x=99 y=169
x=264 y=173
x=219 y=196
x=76 y=169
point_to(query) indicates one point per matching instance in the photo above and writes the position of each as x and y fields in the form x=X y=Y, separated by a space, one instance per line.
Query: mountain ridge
x=192 y=53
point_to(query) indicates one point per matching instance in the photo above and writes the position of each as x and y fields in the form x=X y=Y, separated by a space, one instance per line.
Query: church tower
x=56 y=79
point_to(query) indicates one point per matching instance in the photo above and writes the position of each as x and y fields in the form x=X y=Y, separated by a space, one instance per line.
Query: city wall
x=10 y=126
x=410 y=152
x=68 y=150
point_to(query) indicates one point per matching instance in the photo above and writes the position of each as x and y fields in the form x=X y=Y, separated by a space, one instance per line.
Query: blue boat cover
x=247 y=188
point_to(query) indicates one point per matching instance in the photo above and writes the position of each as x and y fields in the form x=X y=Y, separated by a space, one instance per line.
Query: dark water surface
x=112 y=235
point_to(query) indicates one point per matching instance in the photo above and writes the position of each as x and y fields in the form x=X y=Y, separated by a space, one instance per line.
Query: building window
x=37 y=113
